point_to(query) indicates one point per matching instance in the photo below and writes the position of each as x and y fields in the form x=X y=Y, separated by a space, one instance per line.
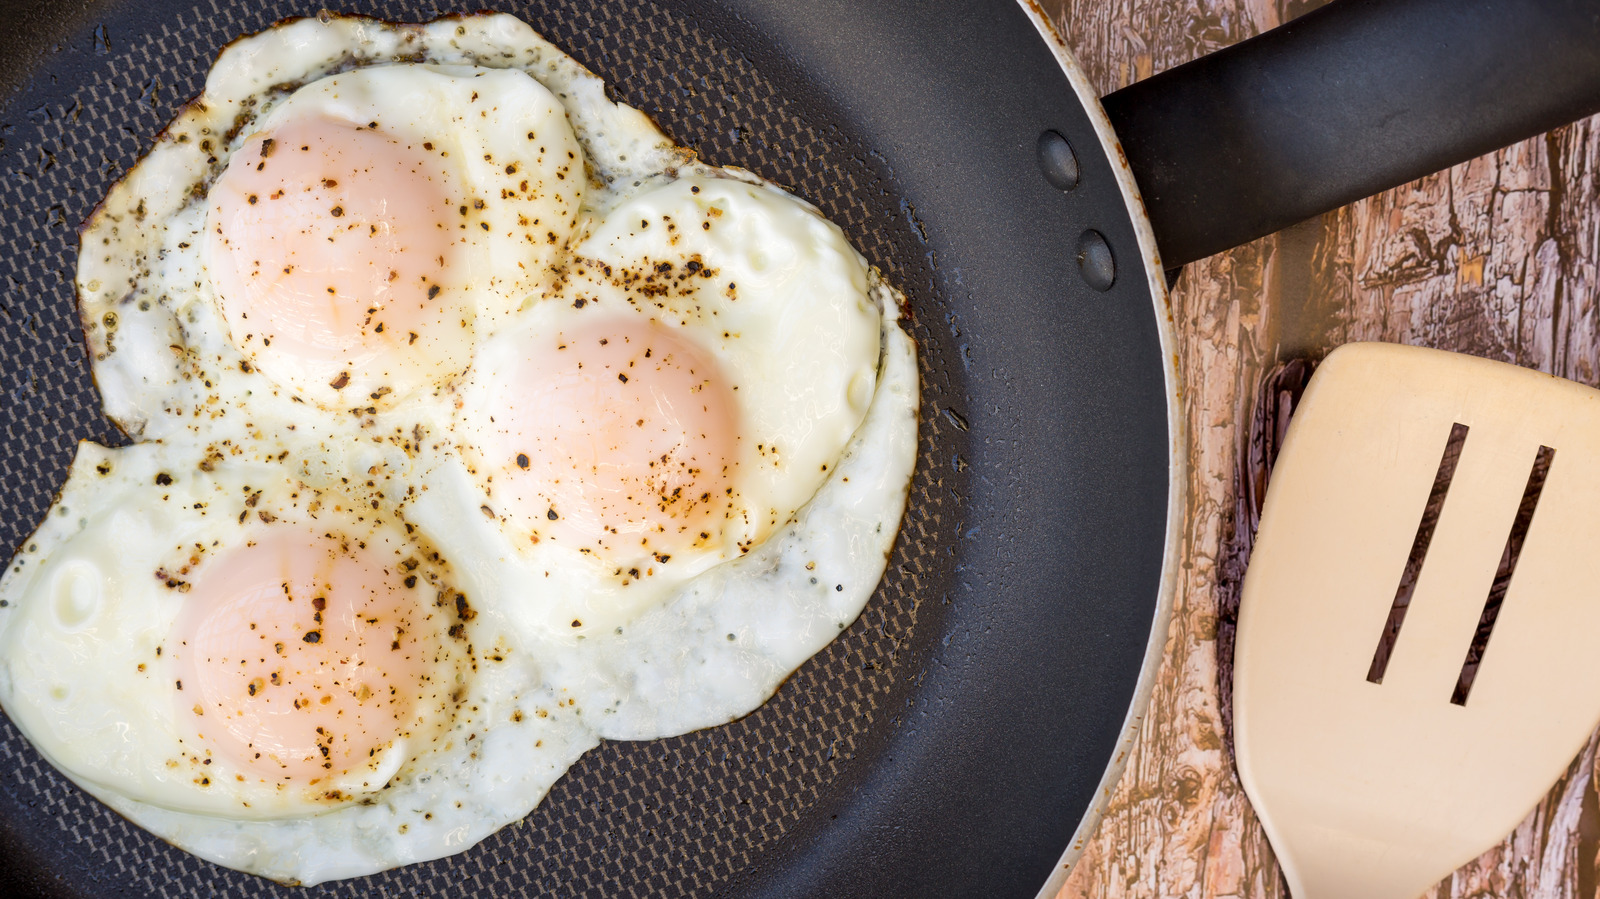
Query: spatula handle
x=1348 y=100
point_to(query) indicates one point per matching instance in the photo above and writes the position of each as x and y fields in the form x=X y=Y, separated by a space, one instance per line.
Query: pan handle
x=1348 y=100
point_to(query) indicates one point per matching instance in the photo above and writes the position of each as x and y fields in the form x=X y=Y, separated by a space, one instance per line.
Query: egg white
x=698 y=649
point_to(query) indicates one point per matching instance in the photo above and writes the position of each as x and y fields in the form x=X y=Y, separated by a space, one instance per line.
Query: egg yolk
x=301 y=658
x=328 y=250
x=619 y=438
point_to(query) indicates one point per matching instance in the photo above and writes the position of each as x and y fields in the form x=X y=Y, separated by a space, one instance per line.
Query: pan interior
x=1016 y=606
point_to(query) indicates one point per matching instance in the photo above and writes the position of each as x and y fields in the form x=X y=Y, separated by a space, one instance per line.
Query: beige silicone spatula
x=1378 y=771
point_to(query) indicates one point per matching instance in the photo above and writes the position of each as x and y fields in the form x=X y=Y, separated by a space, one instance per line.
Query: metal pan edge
x=1177 y=429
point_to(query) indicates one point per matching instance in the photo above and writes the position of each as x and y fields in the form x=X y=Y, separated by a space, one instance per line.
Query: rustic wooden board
x=1499 y=257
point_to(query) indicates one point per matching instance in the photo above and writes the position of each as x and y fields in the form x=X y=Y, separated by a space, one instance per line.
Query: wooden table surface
x=1499 y=257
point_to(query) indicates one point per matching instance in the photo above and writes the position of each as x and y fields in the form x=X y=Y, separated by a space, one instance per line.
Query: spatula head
x=1376 y=774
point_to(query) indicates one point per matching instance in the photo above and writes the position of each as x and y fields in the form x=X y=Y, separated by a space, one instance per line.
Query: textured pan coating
x=664 y=817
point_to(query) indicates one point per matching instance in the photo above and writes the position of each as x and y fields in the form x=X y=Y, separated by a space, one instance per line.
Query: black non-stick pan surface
x=950 y=740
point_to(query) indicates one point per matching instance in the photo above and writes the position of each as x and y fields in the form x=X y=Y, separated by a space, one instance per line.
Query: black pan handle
x=1348 y=100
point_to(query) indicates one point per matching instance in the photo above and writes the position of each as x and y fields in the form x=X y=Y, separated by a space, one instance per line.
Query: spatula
x=1418 y=653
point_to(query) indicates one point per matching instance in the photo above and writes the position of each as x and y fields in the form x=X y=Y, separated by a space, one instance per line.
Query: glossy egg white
x=764 y=356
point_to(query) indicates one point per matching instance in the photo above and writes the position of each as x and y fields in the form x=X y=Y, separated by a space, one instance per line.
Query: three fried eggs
x=477 y=422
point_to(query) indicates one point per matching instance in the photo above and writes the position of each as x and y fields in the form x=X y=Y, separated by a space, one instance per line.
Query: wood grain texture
x=1499 y=257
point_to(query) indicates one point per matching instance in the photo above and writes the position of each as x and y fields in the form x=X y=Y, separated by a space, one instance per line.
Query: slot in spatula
x=1420 y=623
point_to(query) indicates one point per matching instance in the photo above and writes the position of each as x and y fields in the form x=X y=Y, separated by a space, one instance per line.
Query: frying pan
x=957 y=738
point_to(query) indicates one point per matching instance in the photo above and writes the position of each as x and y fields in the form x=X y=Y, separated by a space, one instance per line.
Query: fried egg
x=344 y=243
x=709 y=647
x=283 y=680
x=678 y=397
x=376 y=222
x=275 y=646
x=476 y=423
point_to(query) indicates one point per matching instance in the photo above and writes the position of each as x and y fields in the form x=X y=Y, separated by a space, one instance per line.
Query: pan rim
x=1177 y=442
